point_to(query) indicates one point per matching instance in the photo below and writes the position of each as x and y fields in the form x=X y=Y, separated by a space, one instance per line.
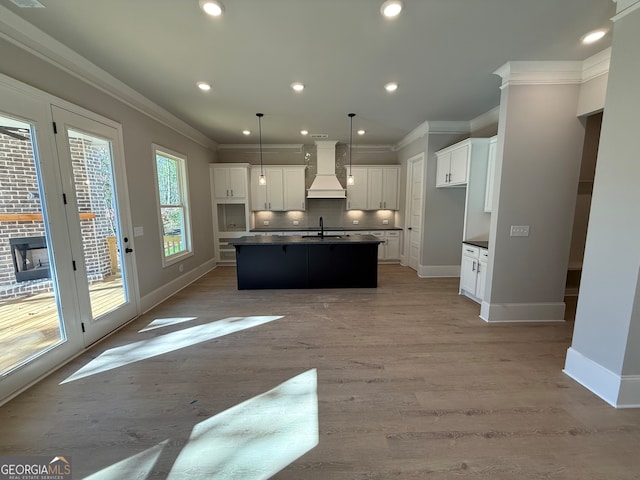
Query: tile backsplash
x=333 y=213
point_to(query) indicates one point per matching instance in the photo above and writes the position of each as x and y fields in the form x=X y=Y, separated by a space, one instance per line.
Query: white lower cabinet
x=389 y=249
x=473 y=271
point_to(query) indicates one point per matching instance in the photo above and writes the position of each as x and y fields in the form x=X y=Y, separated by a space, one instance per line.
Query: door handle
x=128 y=250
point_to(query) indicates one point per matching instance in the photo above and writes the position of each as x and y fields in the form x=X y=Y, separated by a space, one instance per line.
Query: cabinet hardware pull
x=265 y=205
x=473 y=268
x=227 y=193
x=478 y=267
x=380 y=204
x=269 y=205
x=232 y=192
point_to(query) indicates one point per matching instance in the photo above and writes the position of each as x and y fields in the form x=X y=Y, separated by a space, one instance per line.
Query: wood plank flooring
x=410 y=384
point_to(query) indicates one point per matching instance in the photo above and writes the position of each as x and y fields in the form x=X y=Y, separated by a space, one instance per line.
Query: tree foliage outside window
x=172 y=195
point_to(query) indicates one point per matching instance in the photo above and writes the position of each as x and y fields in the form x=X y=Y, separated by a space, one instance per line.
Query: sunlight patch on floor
x=170 y=342
x=250 y=441
x=142 y=464
x=165 y=322
x=257 y=438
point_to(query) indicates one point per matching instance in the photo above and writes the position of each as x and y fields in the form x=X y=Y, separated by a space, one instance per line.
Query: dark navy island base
x=303 y=262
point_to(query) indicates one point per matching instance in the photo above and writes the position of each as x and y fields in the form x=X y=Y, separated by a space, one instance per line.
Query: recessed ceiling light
x=212 y=7
x=391 y=8
x=246 y=132
x=391 y=87
x=361 y=132
x=594 y=36
x=204 y=86
x=304 y=132
x=297 y=86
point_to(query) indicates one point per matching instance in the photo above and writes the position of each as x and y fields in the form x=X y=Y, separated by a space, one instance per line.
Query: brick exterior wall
x=19 y=194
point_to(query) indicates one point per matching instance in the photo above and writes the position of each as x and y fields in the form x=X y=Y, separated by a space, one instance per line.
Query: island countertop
x=305 y=240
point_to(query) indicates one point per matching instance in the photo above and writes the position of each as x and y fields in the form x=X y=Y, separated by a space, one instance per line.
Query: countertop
x=478 y=243
x=300 y=240
x=326 y=229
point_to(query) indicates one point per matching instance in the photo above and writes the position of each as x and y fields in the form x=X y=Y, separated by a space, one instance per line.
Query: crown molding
x=485 y=120
x=256 y=146
x=448 y=127
x=24 y=35
x=540 y=73
x=624 y=8
x=596 y=65
x=415 y=134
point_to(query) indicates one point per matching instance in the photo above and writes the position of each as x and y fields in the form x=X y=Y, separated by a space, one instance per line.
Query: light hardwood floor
x=410 y=384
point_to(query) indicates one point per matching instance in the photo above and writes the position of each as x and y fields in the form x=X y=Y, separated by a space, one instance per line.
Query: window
x=173 y=200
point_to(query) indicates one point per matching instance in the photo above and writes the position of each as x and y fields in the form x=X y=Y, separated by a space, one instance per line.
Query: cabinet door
x=482 y=278
x=390 y=188
x=374 y=189
x=294 y=198
x=221 y=182
x=491 y=166
x=468 y=274
x=459 y=161
x=236 y=182
x=392 y=245
x=443 y=168
x=275 y=189
x=357 y=193
x=258 y=192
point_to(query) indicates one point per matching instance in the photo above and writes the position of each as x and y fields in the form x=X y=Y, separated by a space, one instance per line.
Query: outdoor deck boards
x=29 y=325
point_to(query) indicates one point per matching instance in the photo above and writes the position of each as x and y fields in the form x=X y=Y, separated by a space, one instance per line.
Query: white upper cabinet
x=229 y=183
x=491 y=168
x=284 y=189
x=357 y=193
x=294 y=192
x=376 y=188
x=453 y=164
x=382 y=193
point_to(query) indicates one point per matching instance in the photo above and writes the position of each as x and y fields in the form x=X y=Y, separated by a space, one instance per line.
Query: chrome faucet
x=321 y=228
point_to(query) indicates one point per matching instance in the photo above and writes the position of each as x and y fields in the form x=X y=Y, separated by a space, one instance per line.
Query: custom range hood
x=326 y=184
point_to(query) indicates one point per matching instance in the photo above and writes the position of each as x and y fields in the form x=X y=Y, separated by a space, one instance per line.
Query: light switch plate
x=385 y=222
x=356 y=222
x=265 y=223
x=519 y=230
x=296 y=222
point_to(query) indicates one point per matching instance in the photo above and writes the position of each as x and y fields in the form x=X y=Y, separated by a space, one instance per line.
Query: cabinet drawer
x=470 y=251
x=484 y=255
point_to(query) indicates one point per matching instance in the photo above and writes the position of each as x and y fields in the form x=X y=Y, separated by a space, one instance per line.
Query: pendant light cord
x=260 y=115
x=351 y=115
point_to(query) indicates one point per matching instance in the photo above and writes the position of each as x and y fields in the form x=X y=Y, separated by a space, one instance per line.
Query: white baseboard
x=522 y=312
x=432 y=271
x=620 y=391
x=159 y=295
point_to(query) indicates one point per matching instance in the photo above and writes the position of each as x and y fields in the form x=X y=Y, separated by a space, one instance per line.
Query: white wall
x=139 y=132
x=537 y=167
x=605 y=353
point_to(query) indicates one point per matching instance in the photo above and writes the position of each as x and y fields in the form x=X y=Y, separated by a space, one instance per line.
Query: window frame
x=183 y=186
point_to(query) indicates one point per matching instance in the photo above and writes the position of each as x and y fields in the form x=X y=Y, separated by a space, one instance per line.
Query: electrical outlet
x=296 y=222
x=519 y=230
x=356 y=222
x=265 y=223
x=385 y=222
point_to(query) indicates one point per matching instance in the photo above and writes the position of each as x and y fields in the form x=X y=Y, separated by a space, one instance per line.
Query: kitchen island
x=310 y=261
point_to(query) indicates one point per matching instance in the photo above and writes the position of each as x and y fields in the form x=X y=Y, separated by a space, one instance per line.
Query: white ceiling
x=441 y=52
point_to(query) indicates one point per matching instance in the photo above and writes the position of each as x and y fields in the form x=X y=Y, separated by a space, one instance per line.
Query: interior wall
x=607 y=326
x=139 y=133
x=538 y=163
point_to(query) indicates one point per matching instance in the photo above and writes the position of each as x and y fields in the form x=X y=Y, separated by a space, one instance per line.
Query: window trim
x=183 y=174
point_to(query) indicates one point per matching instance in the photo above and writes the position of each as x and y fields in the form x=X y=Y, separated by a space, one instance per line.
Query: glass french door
x=101 y=243
x=38 y=303
x=66 y=265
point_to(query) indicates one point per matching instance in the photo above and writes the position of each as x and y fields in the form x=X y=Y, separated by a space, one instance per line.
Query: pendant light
x=350 y=179
x=261 y=180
